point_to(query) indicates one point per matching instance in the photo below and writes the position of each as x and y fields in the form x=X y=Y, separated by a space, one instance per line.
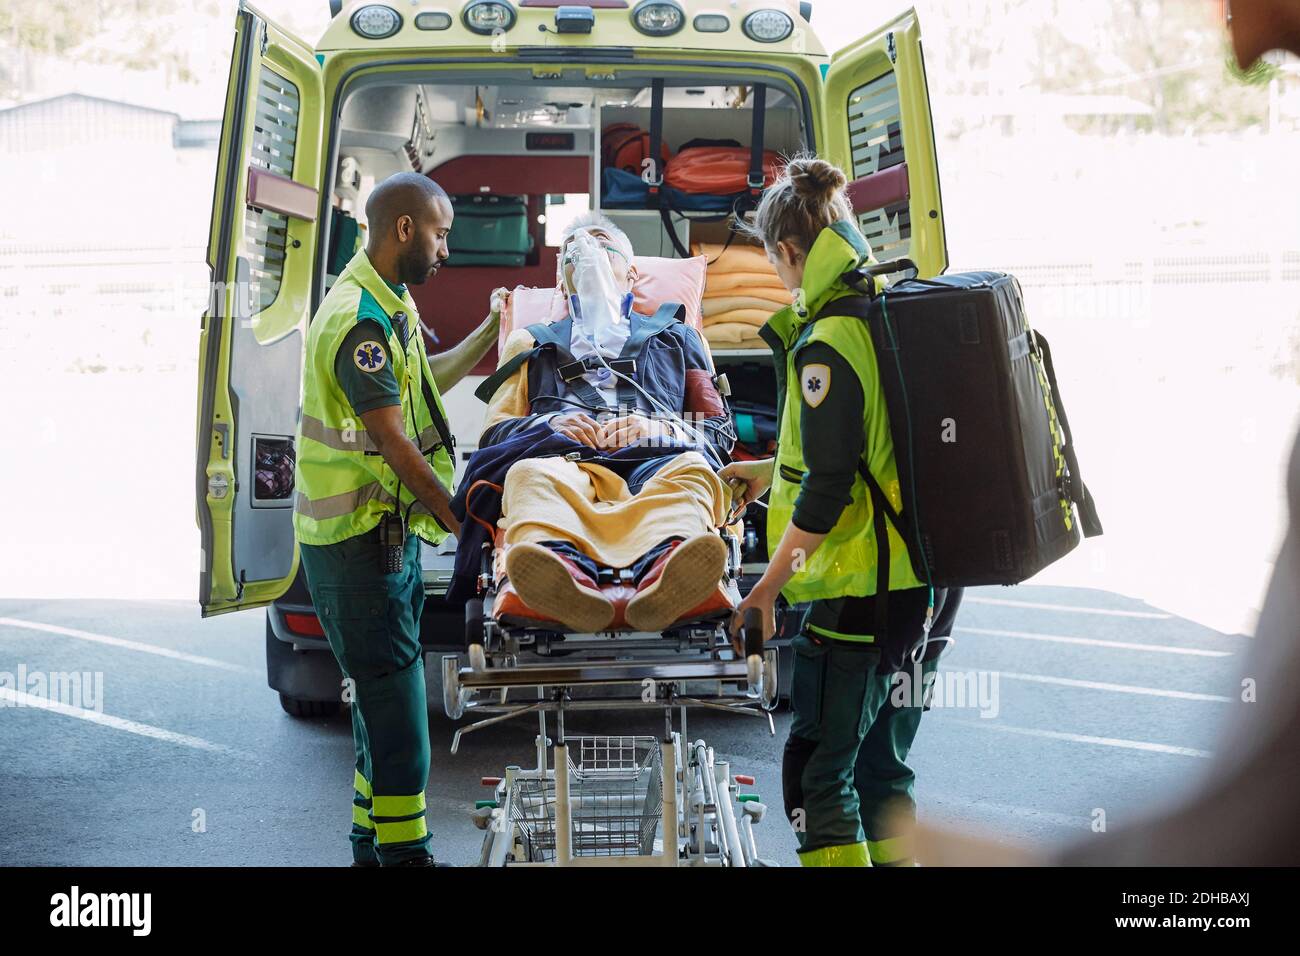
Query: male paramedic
x=373 y=478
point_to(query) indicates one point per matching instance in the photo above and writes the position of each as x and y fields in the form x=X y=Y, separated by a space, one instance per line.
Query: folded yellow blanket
x=739 y=257
x=725 y=303
x=735 y=334
x=551 y=499
x=754 y=317
x=741 y=283
x=770 y=298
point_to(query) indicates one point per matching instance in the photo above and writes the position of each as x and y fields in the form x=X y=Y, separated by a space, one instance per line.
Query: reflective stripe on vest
x=349 y=439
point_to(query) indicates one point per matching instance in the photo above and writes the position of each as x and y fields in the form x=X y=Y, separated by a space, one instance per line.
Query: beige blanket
x=550 y=499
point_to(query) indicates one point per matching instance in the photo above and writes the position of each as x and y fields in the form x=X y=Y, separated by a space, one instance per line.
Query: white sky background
x=1182 y=393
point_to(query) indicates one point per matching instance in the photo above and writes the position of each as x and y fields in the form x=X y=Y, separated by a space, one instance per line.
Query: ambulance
x=503 y=103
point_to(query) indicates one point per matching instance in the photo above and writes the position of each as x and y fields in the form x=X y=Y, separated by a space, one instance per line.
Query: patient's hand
x=579 y=426
x=630 y=430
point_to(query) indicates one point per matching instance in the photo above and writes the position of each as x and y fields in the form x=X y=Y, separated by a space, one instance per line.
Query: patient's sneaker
x=557 y=589
x=678 y=582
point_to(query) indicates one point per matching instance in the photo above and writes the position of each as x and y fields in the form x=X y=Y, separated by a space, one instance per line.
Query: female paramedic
x=848 y=791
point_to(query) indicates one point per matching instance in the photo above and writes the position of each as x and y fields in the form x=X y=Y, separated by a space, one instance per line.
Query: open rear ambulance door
x=879 y=131
x=260 y=253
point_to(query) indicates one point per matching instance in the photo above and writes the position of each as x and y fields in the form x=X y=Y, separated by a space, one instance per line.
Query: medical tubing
x=592 y=284
x=667 y=412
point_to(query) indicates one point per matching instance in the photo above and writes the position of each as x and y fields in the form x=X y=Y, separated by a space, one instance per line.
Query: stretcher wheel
x=771 y=689
x=474 y=632
x=453 y=703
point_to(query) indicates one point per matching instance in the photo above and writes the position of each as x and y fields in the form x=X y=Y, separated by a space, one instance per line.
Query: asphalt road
x=1094 y=705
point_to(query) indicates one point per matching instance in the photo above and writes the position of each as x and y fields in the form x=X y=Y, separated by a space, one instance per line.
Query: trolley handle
x=751 y=628
x=752 y=632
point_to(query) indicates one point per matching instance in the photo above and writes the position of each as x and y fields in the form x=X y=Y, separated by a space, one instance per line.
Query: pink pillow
x=659 y=280
x=662 y=280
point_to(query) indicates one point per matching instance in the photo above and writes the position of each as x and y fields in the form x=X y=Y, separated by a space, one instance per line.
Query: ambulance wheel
x=310 y=708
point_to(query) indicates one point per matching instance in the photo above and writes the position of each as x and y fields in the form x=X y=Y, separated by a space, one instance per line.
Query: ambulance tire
x=310 y=708
x=307 y=681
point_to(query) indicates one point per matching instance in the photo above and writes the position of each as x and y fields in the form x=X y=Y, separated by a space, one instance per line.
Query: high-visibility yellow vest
x=845 y=564
x=344 y=486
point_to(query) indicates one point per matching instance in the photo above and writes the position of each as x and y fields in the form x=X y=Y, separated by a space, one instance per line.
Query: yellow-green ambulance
x=510 y=106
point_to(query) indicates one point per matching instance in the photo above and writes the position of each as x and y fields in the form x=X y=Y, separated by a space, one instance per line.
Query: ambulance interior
x=518 y=141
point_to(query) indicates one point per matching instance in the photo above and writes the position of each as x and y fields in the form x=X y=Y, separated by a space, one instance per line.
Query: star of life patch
x=816 y=383
x=369 y=357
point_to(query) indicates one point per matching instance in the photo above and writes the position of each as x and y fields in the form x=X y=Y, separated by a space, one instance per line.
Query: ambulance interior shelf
x=710 y=174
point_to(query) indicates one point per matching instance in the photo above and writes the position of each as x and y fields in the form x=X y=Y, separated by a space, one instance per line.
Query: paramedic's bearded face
x=423 y=239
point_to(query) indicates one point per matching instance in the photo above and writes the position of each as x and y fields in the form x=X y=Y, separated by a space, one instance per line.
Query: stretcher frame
x=688 y=652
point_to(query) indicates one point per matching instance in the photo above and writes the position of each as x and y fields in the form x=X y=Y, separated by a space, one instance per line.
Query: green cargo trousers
x=884 y=782
x=846 y=782
x=372 y=622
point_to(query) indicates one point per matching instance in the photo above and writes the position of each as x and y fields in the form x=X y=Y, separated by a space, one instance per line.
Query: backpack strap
x=1075 y=489
x=756 y=178
x=543 y=335
x=664 y=316
x=656 y=136
x=882 y=511
x=488 y=387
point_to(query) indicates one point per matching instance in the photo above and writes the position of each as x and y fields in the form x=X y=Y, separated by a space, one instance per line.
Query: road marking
x=1120 y=688
x=1094 y=642
x=1087 y=739
x=953 y=808
x=123 y=642
x=1005 y=602
x=24 y=699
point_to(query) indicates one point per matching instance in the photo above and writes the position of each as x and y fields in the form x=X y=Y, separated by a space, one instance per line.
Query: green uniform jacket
x=845 y=564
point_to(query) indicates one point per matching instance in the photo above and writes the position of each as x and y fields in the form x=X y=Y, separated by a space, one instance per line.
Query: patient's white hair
x=595 y=219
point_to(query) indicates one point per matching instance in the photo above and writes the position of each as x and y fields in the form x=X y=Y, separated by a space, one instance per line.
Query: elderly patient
x=640 y=505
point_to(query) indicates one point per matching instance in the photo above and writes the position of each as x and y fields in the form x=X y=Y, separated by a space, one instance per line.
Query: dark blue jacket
x=671 y=364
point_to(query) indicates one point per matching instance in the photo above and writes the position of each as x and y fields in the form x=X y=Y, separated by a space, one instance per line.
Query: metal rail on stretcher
x=614 y=800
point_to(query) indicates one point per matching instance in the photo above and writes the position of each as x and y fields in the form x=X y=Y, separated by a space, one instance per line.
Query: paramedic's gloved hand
x=758 y=597
x=756 y=476
x=630 y=430
x=499 y=303
x=579 y=426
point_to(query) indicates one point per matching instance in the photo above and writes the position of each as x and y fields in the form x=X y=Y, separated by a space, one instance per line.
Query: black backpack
x=990 y=481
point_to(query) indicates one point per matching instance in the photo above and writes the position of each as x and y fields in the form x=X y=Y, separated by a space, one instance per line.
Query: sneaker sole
x=690 y=577
x=544 y=584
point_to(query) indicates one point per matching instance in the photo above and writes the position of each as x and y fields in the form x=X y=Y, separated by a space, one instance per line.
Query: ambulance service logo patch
x=816 y=383
x=370 y=357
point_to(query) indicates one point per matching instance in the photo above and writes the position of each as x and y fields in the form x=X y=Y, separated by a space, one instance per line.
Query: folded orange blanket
x=725 y=303
x=737 y=255
x=771 y=292
x=754 y=317
x=737 y=334
x=741 y=283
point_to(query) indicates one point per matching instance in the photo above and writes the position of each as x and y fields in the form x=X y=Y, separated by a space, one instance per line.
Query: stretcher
x=696 y=649
x=638 y=801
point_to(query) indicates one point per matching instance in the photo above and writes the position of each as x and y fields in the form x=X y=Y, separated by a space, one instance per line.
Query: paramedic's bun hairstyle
x=815 y=181
x=806 y=198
